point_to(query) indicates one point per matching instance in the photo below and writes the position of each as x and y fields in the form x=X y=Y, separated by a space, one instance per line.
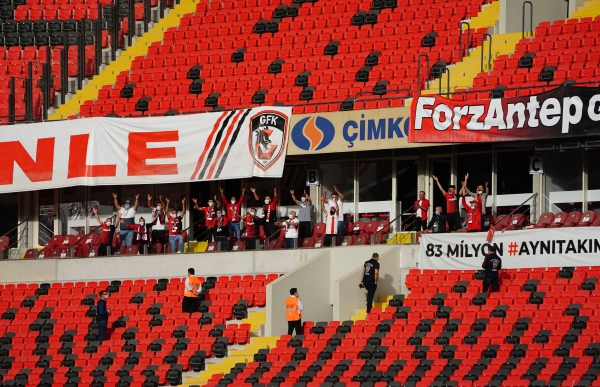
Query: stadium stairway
x=463 y=74
x=237 y=353
x=589 y=8
x=123 y=62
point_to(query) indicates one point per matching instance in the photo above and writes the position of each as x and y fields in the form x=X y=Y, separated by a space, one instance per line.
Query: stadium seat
x=559 y=220
x=573 y=219
x=587 y=218
x=545 y=220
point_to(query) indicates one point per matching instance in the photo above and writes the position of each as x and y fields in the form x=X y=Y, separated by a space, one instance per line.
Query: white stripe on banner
x=150 y=150
x=554 y=247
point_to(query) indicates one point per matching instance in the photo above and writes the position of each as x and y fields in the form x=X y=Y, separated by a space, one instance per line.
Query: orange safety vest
x=292 y=312
x=195 y=284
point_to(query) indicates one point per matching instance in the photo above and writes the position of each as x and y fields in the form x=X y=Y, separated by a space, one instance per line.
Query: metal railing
x=531 y=210
x=19 y=236
x=530 y=19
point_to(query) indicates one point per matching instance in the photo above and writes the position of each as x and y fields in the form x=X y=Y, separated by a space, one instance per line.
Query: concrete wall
x=152 y=266
x=335 y=295
x=312 y=281
x=409 y=259
x=348 y=297
x=511 y=12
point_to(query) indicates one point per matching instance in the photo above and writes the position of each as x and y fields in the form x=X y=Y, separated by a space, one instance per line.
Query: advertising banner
x=566 y=111
x=110 y=151
x=349 y=131
x=543 y=247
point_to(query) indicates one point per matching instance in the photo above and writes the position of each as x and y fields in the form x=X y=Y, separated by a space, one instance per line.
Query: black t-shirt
x=492 y=263
x=369 y=271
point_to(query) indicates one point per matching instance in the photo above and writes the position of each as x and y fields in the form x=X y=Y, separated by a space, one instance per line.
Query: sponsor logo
x=313 y=133
x=267 y=138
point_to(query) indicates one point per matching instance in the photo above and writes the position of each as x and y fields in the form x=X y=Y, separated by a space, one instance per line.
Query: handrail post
x=489 y=52
x=419 y=72
x=530 y=19
x=460 y=40
x=447 y=71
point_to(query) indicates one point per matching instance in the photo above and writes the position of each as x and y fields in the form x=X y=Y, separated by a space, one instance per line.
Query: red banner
x=566 y=111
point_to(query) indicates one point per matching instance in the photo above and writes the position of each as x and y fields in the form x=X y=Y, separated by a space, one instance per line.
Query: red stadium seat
x=559 y=220
x=587 y=218
x=545 y=220
x=573 y=219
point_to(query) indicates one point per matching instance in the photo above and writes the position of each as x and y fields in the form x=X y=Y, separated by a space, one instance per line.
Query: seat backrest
x=131 y=250
x=502 y=221
x=348 y=240
x=358 y=227
x=371 y=227
x=383 y=226
x=587 y=218
x=29 y=254
x=573 y=219
x=560 y=219
x=545 y=219
x=212 y=246
x=239 y=246
x=319 y=229
x=63 y=252
x=55 y=241
x=54 y=253
x=319 y=242
x=308 y=242
x=361 y=240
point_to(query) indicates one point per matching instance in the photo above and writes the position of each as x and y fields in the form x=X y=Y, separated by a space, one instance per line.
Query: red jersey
x=106 y=234
x=219 y=223
x=451 y=203
x=251 y=226
x=174 y=225
x=270 y=208
x=209 y=214
x=474 y=215
x=233 y=210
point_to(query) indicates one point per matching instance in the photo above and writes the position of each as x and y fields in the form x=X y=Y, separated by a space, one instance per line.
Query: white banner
x=111 y=151
x=573 y=246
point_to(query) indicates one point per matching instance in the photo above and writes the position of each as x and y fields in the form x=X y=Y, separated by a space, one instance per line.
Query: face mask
x=108 y=223
x=219 y=215
x=480 y=192
x=252 y=212
x=292 y=216
x=332 y=212
x=302 y=199
x=158 y=208
x=127 y=206
x=142 y=223
x=210 y=204
x=233 y=201
x=174 y=215
x=267 y=201
x=105 y=296
x=472 y=205
x=437 y=212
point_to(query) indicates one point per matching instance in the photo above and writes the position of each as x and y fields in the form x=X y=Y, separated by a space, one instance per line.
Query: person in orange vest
x=293 y=312
x=192 y=289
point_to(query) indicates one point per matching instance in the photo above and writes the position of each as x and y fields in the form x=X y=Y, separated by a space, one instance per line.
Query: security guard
x=192 y=289
x=293 y=312
x=492 y=265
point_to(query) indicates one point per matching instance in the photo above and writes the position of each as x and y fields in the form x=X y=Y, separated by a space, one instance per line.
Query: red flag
x=490 y=234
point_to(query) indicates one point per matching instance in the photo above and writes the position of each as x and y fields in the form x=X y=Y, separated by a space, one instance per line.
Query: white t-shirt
x=291 y=229
x=331 y=225
x=127 y=215
x=340 y=206
x=420 y=211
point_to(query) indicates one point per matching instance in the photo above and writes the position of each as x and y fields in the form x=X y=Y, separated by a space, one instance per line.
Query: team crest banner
x=543 y=247
x=114 y=151
x=566 y=111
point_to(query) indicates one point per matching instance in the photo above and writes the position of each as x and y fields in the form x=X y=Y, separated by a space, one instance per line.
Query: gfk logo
x=313 y=133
